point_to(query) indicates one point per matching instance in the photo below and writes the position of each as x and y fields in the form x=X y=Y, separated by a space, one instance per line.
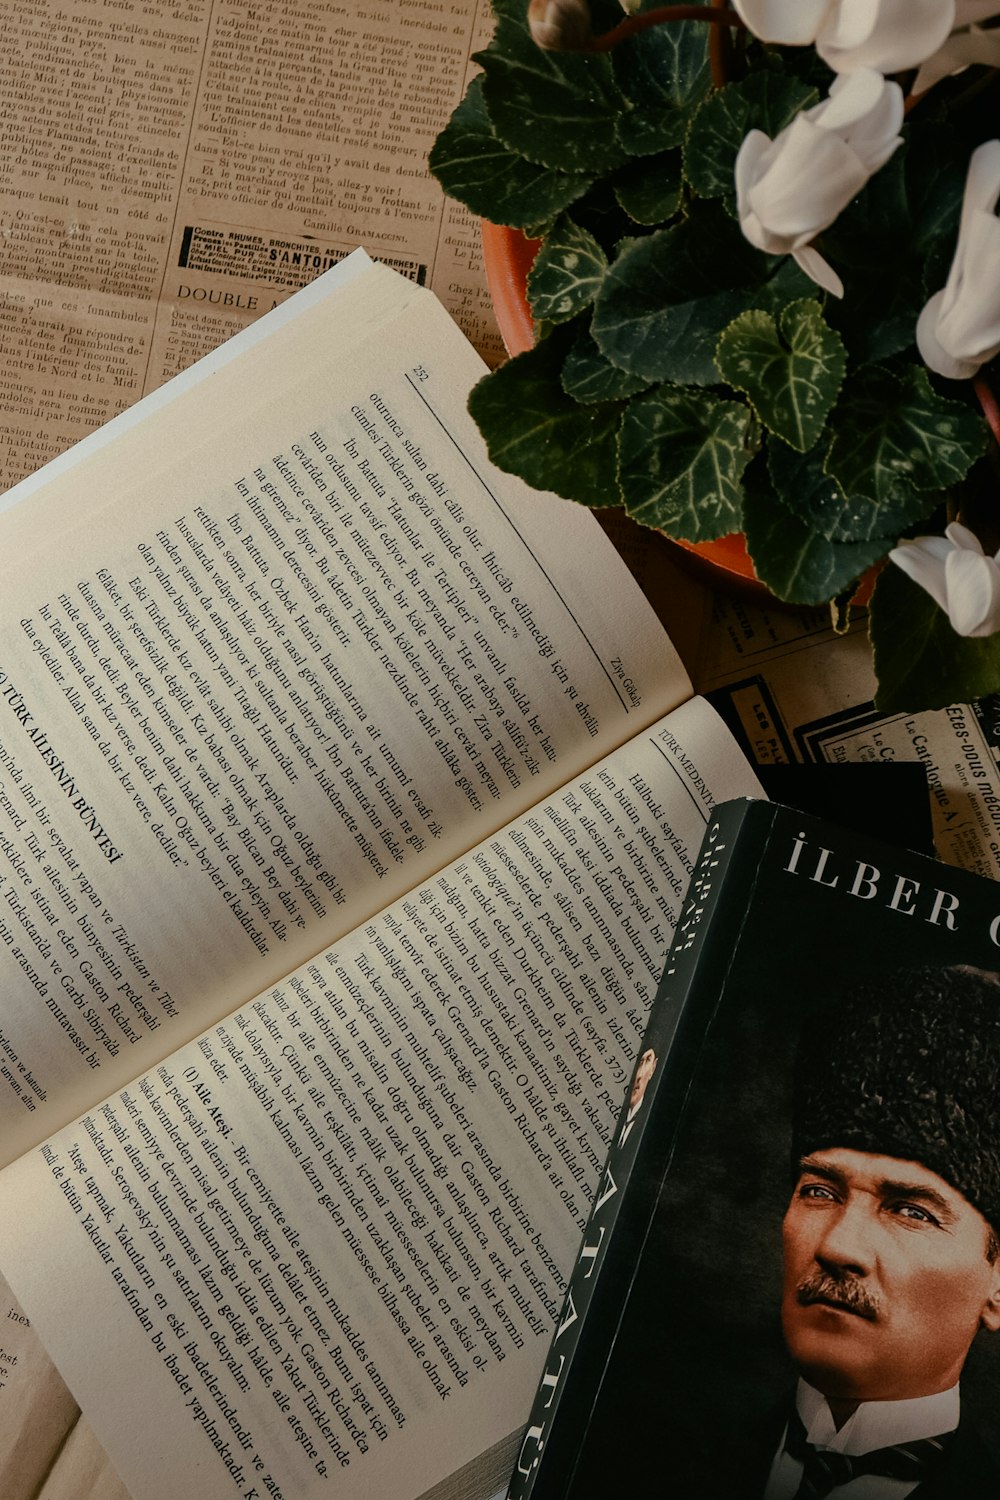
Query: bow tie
x=823 y=1471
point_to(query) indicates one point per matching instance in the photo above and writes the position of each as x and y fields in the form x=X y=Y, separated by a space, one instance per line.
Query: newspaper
x=173 y=170
x=794 y=691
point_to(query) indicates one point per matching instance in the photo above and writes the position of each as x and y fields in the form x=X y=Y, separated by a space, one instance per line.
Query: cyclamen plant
x=766 y=295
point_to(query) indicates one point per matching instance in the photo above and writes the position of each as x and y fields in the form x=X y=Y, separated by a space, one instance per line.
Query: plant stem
x=720 y=51
x=991 y=410
x=714 y=14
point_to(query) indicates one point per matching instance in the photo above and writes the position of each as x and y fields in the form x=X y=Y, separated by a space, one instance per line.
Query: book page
x=269 y=659
x=172 y=171
x=82 y=1471
x=325 y=1243
x=47 y=1450
x=37 y=1411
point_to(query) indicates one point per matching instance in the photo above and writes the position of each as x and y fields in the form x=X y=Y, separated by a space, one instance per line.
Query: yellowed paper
x=37 y=1412
x=82 y=1471
x=795 y=691
x=173 y=170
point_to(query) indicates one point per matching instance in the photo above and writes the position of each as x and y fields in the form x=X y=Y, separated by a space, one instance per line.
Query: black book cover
x=806 y=1197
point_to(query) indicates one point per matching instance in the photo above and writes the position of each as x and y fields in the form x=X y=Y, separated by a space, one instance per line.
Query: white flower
x=966 y=45
x=789 y=23
x=788 y=190
x=887 y=35
x=959 y=329
x=968 y=12
x=958 y=575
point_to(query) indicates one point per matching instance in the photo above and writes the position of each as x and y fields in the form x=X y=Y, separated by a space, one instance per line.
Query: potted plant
x=766 y=297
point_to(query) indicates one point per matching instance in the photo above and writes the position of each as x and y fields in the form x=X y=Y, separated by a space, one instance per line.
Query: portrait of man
x=815 y=1308
x=641 y=1079
x=891 y=1260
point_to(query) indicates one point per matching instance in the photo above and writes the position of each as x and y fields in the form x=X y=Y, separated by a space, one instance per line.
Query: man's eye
x=816 y=1190
x=913 y=1211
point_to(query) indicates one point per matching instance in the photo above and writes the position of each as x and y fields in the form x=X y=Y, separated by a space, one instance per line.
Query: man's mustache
x=840 y=1291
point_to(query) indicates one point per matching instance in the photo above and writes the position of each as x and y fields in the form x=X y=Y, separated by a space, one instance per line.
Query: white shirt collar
x=876 y=1424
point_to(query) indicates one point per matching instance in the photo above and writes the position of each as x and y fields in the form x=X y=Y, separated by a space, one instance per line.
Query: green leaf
x=649 y=187
x=919 y=660
x=891 y=429
x=533 y=429
x=786 y=282
x=764 y=100
x=600 y=213
x=792 y=369
x=797 y=563
x=662 y=72
x=566 y=274
x=681 y=459
x=893 y=244
x=513 y=10
x=475 y=167
x=817 y=500
x=667 y=297
x=588 y=376
x=560 y=109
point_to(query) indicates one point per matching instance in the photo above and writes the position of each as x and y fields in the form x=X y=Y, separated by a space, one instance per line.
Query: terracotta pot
x=507 y=255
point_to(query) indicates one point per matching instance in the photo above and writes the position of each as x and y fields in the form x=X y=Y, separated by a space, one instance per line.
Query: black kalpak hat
x=908 y=1065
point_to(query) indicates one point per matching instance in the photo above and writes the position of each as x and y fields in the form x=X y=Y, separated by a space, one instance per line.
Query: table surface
x=251 y=176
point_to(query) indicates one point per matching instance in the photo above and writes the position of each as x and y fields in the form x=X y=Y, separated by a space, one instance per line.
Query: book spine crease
x=702 y=947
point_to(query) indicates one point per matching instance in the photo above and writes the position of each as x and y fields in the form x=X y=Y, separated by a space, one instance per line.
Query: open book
x=348 y=792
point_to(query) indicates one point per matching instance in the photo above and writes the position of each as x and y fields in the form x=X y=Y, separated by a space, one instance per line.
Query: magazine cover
x=792 y=1289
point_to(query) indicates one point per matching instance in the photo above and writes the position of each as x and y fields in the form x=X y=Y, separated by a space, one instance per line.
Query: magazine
x=791 y=1266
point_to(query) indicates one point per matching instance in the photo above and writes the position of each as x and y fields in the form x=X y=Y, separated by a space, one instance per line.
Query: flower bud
x=559 y=25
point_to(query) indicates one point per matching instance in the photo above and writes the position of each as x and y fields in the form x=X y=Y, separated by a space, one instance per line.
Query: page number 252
x=420 y=373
